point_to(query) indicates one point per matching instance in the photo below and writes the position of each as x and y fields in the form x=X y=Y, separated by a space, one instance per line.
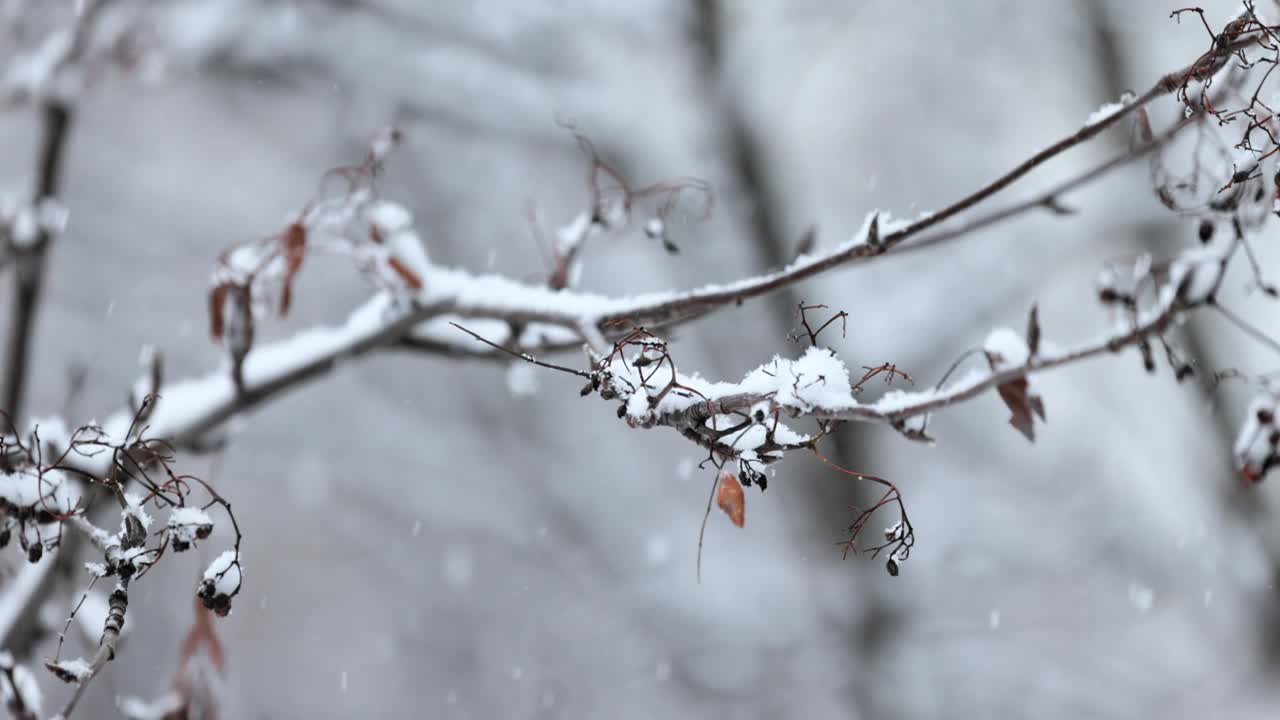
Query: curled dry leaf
x=1006 y=350
x=1022 y=406
x=295 y=248
x=1142 y=126
x=730 y=498
x=216 y=297
x=410 y=278
x=202 y=634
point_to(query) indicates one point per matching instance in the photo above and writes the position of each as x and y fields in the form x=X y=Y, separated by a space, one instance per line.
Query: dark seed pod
x=61 y=673
x=5 y=536
x=1148 y=359
x=892 y=566
x=586 y=390
x=1206 y=231
x=622 y=410
x=135 y=535
x=34 y=552
x=1265 y=416
x=219 y=603
x=749 y=476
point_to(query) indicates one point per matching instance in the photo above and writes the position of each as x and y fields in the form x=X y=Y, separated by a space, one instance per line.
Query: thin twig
x=524 y=356
x=1246 y=327
x=119 y=603
x=702 y=530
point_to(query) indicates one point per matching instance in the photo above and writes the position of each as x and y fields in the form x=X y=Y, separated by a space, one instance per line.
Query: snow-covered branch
x=417 y=302
x=782 y=406
x=818 y=385
x=45 y=493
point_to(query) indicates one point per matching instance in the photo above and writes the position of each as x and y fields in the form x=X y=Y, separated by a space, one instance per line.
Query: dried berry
x=1206 y=231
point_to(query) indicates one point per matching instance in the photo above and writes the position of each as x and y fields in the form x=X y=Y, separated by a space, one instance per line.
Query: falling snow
x=1141 y=597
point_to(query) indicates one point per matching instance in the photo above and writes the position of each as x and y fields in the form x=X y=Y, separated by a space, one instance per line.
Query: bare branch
x=30 y=260
x=106 y=652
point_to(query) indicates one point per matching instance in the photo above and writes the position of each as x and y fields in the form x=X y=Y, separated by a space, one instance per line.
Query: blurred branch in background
x=1195 y=339
x=29 y=259
x=49 y=78
x=40 y=490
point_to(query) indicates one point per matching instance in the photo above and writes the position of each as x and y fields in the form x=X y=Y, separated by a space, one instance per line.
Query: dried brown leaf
x=730 y=498
x=217 y=296
x=295 y=248
x=410 y=279
x=1023 y=406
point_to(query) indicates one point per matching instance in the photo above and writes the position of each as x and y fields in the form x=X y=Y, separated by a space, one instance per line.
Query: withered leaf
x=408 y=276
x=730 y=498
x=295 y=249
x=1142 y=126
x=216 y=298
x=202 y=634
x=1023 y=405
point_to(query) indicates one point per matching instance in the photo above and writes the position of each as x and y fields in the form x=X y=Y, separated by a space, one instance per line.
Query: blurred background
x=421 y=541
